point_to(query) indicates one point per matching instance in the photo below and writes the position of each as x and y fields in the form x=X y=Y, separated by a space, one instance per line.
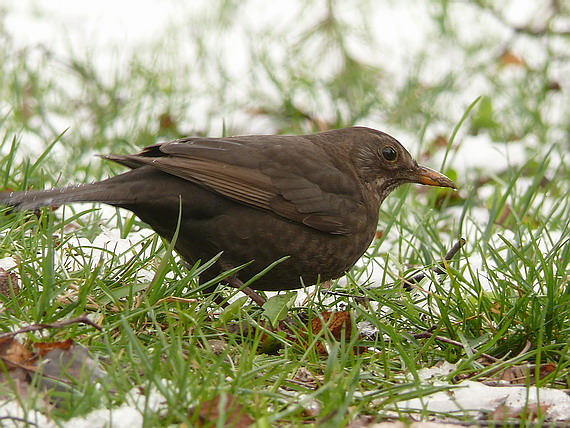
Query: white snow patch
x=129 y=415
x=8 y=263
x=474 y=397
x=480 y=152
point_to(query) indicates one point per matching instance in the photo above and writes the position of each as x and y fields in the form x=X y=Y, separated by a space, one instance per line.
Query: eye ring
x=389 y=154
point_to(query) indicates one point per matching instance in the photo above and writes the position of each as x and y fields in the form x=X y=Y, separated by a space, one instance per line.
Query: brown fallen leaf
x=226 y=408
x=305 y=378
x=59 y=362
x=54 y=366
x=529 y=413
x=516 y=375
x=45 y=347
x=509 y=58
x=18 y=362
x=8 y=283
x=337 y=323
x=521 y=374
x=66 y=363
x=340 y=322
x=13 y=354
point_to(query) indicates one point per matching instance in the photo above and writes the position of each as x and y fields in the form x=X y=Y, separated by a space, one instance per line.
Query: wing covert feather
x=294 y=184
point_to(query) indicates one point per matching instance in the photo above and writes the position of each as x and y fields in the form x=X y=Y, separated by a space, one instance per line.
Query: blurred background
x=131 y=72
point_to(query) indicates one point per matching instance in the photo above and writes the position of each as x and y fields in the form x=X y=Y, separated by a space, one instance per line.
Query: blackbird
x=314 y=198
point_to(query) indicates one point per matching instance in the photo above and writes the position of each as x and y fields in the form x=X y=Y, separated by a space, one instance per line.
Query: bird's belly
x=211 y=224
x=253 y=235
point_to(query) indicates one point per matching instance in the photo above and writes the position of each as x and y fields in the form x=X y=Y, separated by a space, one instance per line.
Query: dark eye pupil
x=389 y=153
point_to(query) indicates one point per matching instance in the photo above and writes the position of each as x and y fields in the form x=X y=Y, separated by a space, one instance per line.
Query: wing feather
x=257 y=171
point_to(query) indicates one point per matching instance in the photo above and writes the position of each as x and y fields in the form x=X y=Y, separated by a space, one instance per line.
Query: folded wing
x=294 y=183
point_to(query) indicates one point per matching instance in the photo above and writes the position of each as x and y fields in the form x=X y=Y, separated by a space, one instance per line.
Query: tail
x=102 y=191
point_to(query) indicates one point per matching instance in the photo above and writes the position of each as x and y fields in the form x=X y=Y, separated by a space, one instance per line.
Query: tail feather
x=31 y=199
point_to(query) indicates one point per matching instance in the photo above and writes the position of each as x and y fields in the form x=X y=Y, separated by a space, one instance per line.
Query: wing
x=289 y=176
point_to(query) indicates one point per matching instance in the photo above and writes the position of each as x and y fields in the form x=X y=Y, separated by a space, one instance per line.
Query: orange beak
x=430 y=177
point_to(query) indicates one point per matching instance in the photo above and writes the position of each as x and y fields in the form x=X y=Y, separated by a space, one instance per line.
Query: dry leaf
x=307 y=379
x=224 y=407
x=530 y=412
x=522 y=374
x=509 y=58
x=66 y=363
x=44 y=348
x=19 y=362
x=14 y=354
x=8 y=283
x=339 y=323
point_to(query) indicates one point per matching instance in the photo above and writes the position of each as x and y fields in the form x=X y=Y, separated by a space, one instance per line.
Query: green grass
x=506 y=292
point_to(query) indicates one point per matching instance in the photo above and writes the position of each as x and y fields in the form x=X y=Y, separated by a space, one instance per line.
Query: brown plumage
x=314 y=198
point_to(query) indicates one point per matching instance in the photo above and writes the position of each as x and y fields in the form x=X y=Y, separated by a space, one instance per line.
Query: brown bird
x=258 y=198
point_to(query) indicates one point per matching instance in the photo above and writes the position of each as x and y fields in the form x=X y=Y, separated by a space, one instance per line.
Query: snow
x=475 y=397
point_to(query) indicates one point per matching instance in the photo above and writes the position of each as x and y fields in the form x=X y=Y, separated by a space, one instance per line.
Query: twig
x=83 y=319
x=18 y=419
x=410 y=282
x=359 y=299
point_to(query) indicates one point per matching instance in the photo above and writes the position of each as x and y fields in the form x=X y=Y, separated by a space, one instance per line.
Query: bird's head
x=384 y=164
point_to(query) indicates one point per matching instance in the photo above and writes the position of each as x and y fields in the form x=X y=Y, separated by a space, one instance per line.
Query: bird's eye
x=389 y=154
